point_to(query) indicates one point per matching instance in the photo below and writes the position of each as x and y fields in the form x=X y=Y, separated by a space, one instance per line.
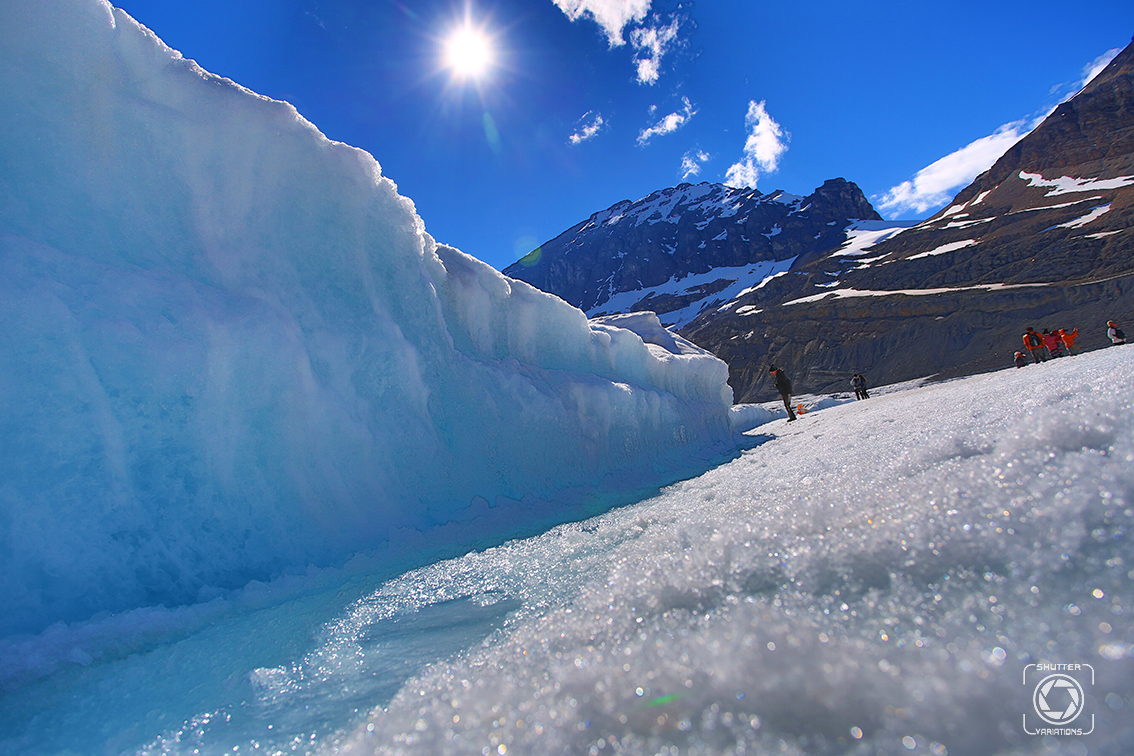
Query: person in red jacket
x=1053 y=343
x=1069 y=338
x=1034 y=343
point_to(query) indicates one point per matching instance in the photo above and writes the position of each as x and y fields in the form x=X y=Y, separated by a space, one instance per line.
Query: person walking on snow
x=1053 y=343
x=856 y=381
x=1115 y=333
x=861 y=379
x=1034 y=343
x=1069 y=339
x=783 y=385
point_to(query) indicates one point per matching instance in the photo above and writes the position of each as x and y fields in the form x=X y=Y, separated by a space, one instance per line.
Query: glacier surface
x=875 y=578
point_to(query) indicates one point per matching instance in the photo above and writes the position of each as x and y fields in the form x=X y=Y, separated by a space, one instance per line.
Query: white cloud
x=651 y=44
x=1095 y=67
x=590 y=124
x=612 y=15
x=766 y=142
x=691 y=163
x=939 y=182
x=669 y=123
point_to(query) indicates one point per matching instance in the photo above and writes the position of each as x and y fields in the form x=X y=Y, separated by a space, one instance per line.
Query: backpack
x=1118 y=332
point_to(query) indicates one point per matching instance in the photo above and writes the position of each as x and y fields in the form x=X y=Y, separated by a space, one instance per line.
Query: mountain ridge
x=651 y=245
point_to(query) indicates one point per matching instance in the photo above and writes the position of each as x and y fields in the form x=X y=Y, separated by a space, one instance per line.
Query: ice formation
x=231 y=350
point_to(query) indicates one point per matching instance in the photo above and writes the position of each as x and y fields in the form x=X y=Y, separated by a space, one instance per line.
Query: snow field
x=873 y=577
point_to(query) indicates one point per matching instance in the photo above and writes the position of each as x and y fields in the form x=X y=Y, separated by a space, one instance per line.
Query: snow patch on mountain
x=864 y=234
x=740 y=280
x=1069 y=185
x=1098 y=212
x=944 y=249
x=849 y=293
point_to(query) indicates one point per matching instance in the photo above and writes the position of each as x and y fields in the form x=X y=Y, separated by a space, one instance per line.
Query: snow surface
x=873 y=578
x=849 y=293
x=742 y=279
x=945 y=248
x=658 y=207
x=231 y=350
x=1069 y=185
x=862 y=235
x=1081 y=221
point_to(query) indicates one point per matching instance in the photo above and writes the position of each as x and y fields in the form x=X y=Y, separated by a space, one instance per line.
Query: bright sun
x=468 y=53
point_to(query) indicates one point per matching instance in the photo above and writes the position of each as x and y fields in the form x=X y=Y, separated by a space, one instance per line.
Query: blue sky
x=587 y=102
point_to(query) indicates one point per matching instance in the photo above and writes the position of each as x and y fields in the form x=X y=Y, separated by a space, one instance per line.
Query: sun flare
x=468 y=53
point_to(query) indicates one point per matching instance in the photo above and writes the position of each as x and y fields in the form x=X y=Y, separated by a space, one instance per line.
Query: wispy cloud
x=669 y=123
x=691 y=163
x=590 y=124
x=939 y=182
x=936 y=184
x=611 y=15
x=651 y=43
x=766 y=142
x=1095 y=67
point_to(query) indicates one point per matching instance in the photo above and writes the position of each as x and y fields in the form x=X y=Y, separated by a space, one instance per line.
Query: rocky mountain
x=678 y=249
x=1043 y=238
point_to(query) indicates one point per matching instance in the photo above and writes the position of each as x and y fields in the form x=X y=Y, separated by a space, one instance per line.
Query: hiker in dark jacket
x=783 y=385
x=1114 y=333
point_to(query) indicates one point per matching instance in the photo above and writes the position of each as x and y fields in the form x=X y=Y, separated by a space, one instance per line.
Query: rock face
x=1043 y=238
x=672 y=250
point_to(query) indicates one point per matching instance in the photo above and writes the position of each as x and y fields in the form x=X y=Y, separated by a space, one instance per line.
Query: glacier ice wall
x=230 y=349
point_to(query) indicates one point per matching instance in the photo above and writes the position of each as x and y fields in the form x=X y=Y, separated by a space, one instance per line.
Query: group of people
x=1057 y=343
x=1048 y=344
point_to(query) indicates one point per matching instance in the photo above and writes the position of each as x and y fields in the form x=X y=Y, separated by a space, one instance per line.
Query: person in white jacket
x=1115 y=333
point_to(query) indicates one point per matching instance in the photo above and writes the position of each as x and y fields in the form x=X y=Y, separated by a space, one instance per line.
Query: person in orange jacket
x=1069 y=339
x=1034 y=343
